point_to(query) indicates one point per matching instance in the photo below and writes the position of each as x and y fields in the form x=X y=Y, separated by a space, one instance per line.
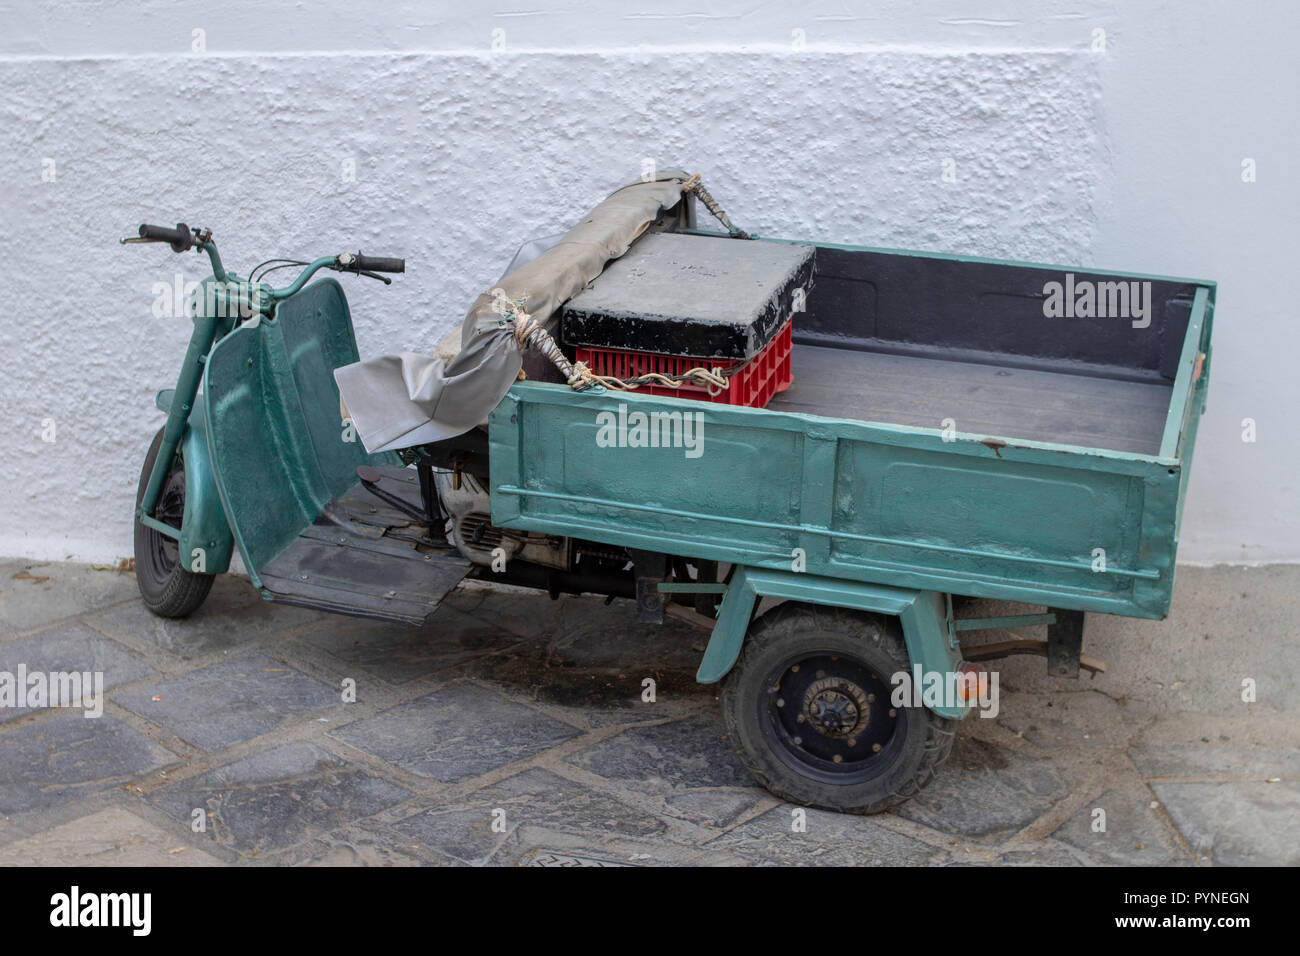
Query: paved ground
x=510 y=702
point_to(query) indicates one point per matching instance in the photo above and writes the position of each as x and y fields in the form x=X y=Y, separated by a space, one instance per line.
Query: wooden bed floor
x=982 y=399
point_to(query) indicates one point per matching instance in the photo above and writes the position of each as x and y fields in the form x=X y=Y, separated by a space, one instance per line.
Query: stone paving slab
x=509 y=701
x=615 y=640
x=593 y=697
x=1214 y=759
x=516 y=610
x=536 y=846
x=218 y=706
x=112 y=837
x=1047 y=855
x=276 y=799
x=683 y=753
x=459 y=731
x=362 y=846
x=830 y=839
x=593 y=667
x=540 y=846
x=1238 y=824
x=75 y=648
x=984 y=791
x=233 y=616
x=714 y=809
x=398 y=653
x=35 y=594
x=1135 y=832
x=473 y=829
x=53 y=760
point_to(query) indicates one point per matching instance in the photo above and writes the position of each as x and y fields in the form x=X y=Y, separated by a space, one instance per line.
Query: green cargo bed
x=943 y=432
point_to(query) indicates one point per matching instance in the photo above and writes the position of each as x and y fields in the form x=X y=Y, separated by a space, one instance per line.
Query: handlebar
x=348 y=262
x=344 y=262
x=181 y=238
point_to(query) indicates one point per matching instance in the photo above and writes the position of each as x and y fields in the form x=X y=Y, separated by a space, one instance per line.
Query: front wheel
x=807 y=708
x=168 y=589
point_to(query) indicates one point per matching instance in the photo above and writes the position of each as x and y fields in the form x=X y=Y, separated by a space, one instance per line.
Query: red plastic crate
x=754 y=385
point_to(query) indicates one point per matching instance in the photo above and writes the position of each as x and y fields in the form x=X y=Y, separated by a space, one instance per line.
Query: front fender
x=206 y=542
x=927 y=626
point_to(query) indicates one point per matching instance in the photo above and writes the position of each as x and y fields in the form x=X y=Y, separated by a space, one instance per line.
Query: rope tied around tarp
x=693 y=185
x=529 y=333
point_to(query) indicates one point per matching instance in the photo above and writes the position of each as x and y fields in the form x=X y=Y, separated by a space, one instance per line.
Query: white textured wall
x=1127 y=159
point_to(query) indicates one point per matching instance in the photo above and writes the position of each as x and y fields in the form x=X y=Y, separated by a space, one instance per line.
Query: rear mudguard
x=927 y=623
x=206 y=542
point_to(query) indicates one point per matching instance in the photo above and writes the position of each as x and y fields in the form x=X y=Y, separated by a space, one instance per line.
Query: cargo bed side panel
x=876 y=503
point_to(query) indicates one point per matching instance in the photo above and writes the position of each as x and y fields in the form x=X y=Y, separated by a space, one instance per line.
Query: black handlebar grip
x=180 y=238
x=376 y=264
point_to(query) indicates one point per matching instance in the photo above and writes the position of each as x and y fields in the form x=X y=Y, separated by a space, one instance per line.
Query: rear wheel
x=168 y=589
x=808 y=710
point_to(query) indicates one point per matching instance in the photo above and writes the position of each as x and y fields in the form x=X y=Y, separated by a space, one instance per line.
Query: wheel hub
x=836 y=707
x=170 y=510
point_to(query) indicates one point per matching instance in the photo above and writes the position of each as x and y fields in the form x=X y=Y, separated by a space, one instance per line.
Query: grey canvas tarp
x=396 y=401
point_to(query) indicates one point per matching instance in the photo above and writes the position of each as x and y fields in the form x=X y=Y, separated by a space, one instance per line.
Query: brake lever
x=373 y=275
x=139 y=239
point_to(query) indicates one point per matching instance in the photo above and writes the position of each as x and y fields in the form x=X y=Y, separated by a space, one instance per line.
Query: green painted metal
x=206 y=541
x=179 y=406
x=205 y=538
x=294 y=287
x=1192 y=415
x=1183 y=404
x=213 y=318
x=278 y=441
x=279 y=449
x=218 y=270
x=1013 y=620
x=878 y=516
x=923 y=614
x=149 y=521
x=866 y=502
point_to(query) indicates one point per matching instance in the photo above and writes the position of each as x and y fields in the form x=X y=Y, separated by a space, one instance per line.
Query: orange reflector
x=972 y=682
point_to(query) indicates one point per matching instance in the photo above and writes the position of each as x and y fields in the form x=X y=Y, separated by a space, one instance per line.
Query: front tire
x=168 y=589
x=807 y=709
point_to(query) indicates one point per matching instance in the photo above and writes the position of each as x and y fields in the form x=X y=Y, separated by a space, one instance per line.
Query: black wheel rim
x=163 y=551
x=828 y=716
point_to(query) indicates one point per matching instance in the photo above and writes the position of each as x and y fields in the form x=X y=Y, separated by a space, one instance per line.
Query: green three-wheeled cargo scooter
x=707 y=422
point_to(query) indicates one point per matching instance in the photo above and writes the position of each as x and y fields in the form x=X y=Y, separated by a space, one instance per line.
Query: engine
x=470 y=529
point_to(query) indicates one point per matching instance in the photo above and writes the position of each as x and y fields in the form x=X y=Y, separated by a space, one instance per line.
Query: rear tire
x=807 y=708
x=168 y=589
